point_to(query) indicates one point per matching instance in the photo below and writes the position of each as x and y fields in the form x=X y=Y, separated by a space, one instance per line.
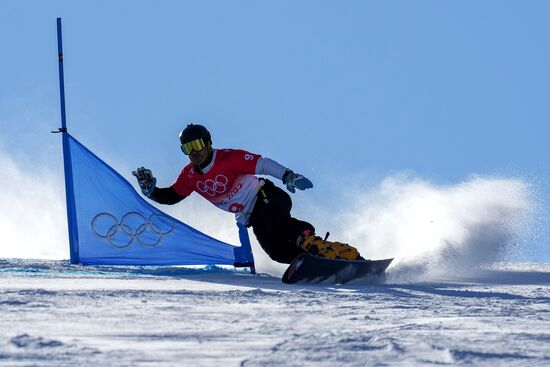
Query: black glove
x=146 y=180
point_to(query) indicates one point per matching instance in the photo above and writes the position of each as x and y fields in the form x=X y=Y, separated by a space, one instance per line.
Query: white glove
x=146 y=180
x=295 y=181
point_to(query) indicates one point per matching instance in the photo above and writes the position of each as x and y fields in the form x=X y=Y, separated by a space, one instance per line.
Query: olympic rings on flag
x=134 y=226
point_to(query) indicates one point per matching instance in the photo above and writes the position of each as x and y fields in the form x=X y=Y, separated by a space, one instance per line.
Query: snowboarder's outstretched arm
x=147 y=183
x=166 y=195
x=293 y=181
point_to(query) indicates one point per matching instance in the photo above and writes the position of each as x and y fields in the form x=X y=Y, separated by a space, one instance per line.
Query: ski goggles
x=193 y=145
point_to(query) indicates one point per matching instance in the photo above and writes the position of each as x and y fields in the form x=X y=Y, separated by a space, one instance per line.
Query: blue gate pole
x=61 y=76
x=243 y=254
x=67 y=163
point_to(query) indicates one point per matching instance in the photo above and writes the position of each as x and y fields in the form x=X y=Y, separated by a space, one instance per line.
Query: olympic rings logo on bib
x=212 y=187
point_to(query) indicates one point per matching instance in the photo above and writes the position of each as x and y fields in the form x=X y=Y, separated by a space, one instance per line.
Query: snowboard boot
x=316 y=246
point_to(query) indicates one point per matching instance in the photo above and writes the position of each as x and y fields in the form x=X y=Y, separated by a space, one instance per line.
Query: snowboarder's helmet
x=193 y=132
x=194 y=137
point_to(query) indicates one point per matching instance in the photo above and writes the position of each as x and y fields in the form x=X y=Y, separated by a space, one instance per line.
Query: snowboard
x=313 y=269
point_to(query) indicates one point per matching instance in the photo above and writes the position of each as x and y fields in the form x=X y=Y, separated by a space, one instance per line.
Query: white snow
x=448 y=298
x=56 y=314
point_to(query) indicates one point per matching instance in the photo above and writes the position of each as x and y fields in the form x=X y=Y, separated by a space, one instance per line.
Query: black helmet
x=192 y=132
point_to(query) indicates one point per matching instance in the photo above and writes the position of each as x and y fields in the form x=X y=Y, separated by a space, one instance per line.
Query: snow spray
x=440 y=230
x=32 y=212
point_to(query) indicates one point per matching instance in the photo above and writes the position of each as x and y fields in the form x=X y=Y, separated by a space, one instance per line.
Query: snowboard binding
x=316 y=246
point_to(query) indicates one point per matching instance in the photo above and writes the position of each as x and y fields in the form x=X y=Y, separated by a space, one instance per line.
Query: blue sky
x=442 y=89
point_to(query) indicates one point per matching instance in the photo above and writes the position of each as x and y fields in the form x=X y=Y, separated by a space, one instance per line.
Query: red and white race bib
x=228 y=182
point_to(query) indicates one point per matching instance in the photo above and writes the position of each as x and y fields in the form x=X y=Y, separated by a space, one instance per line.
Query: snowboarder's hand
x=295 y=181
x=146 y=180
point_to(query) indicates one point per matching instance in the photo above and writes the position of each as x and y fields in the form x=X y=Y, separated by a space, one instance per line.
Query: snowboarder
x=226 y=178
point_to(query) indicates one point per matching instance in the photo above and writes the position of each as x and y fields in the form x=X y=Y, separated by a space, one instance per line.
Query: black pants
x=273 y=225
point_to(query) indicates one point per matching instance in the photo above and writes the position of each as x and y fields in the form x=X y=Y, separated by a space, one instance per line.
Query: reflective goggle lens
x=193 y=145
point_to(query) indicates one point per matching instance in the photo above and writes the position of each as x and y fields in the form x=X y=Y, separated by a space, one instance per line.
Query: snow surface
x=56 y=314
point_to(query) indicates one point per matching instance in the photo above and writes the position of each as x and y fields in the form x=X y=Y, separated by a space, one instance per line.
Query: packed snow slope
x=56 y=314
x=449 y=298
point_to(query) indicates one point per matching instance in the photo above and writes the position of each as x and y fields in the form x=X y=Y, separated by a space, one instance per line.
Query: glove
x=295 y=181
x=146 y=180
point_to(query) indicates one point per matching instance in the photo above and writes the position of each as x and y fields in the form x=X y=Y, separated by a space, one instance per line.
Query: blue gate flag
x=111 y=224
